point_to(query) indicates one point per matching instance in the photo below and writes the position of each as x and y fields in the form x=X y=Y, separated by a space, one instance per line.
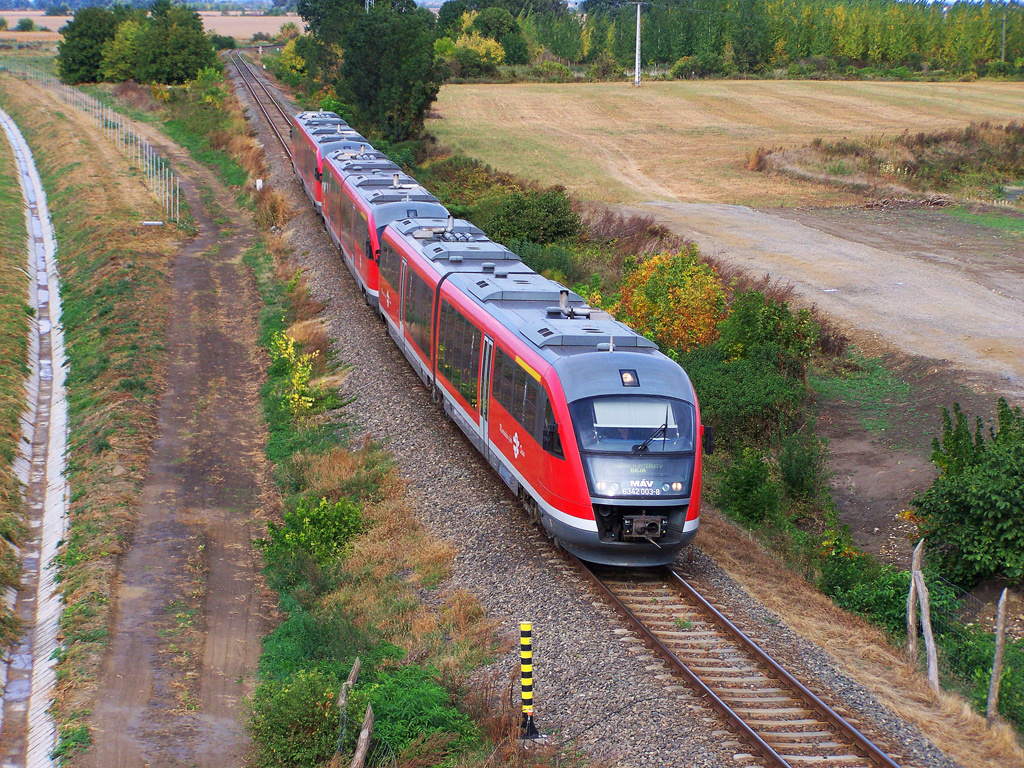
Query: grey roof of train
x=513 y=293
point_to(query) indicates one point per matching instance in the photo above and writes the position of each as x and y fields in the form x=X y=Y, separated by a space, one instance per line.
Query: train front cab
x=634 y=420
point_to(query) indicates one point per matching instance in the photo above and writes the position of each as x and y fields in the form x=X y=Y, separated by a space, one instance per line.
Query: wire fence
x=118 y=129
x=966 y=646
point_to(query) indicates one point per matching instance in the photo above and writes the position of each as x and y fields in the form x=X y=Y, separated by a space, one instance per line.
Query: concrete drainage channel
x=28 y=673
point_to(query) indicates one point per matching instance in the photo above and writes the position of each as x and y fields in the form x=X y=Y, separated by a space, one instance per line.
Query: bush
x=540 y=216
x=862 y=585
x=685 y=68
x=304 y=641
x=605 y=67
x=222 y=42
x=746 y=490
x=674 y=299
x=803 y=464
x=745 y=400
x=551 y=72
x=972 y=513
x=408 y=703
x=553 y=261
x=25 y=25
x=295 y=722
x=322 y=528
x=755 y=320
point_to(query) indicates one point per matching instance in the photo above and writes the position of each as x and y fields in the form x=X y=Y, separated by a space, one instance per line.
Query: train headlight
x=677 y=486
x=614 y=488
x=664 y=486
x=601 y=485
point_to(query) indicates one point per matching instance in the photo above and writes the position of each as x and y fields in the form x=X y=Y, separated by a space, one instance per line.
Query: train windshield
x=634 y=425
x=637 y=446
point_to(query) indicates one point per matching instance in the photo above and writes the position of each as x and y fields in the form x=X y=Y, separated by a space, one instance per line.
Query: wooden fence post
x=912 y=604
x=926 y=625
x=997 y=662
x=342 y=706
x=359 y=759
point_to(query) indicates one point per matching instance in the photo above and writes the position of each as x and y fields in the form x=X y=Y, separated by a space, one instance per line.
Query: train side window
x=458 y=352
x=519 y=392
x=549 y=437
x=419 y=301
x=390 y=264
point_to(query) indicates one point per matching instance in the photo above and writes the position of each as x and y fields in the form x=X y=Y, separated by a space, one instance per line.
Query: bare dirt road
x=190 y=610
x=924 y=282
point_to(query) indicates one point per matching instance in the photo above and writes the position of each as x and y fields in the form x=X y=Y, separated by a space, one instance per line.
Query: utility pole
x=636 y=70
x=1002 y=56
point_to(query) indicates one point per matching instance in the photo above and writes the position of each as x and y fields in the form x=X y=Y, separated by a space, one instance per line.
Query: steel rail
x=824 y=710
x=762 y=747
x=245 y=72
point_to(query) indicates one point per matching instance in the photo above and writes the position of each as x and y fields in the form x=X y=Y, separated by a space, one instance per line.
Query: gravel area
x=596 y=686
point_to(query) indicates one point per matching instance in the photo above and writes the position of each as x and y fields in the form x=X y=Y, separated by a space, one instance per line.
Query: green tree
x=449 y=16
x=121 y=53
x=3 y=23
x=495 y=23
x=393 y=97
x=80 y=51
x=516 y=49
x=173 y=45
x=330 y=20
x=25 y=25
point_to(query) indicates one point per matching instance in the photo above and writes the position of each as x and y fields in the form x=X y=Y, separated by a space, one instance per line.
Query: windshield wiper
x=661 y=431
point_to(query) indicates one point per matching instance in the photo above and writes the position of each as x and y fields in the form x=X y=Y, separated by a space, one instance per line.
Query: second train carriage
x=361 y=196
x=597 y=431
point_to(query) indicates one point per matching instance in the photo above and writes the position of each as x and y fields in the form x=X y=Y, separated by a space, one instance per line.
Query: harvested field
x=690 y=141
x=239 y=27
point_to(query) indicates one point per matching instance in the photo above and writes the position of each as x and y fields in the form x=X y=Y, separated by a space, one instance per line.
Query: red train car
x=361 y=195
x=597 y=432
x=312 y=136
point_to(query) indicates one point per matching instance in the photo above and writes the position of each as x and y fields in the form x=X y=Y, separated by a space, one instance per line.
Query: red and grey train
x=596 y=431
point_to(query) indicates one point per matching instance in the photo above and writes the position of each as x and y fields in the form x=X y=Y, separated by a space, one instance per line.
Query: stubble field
x=688 y=141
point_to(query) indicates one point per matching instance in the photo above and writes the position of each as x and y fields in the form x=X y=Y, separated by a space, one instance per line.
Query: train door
x=485 y=390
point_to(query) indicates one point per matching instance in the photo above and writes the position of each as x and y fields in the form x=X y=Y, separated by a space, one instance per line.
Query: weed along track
x=27 y=676
x=782 y=721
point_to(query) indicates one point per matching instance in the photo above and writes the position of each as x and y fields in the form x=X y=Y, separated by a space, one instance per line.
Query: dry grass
x=861 y=650
x=692 y=141
x=135 y=96
x=237 y=26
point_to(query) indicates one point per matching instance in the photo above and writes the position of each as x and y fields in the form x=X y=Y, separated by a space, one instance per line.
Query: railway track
x=783 y=721
x=278 y=118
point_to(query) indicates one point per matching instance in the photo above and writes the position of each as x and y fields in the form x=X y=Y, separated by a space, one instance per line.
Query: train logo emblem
x=516 y=448
x=387 y=298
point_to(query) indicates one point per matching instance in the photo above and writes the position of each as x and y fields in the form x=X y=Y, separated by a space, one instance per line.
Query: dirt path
x=956 y=298
x=190 y=613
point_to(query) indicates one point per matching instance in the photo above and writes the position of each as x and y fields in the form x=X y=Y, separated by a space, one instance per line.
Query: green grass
x=880 y=397
x=14 y=317
x=1007 y=223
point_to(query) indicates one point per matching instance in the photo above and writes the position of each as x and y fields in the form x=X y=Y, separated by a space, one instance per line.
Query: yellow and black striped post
x=529 y=730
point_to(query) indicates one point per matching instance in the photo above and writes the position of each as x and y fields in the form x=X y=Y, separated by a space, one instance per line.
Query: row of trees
x=753 y=35
x=164 y=44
